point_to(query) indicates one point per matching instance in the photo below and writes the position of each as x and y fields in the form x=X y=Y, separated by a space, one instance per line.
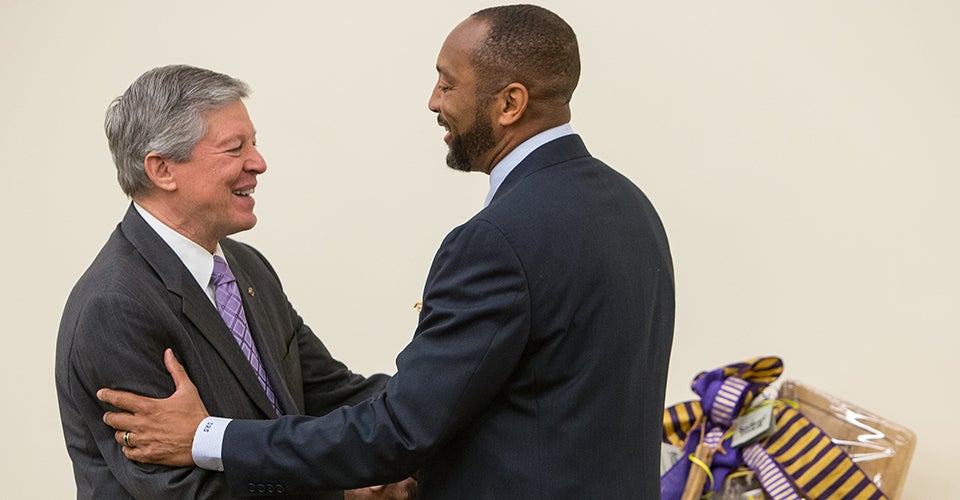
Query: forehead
x=462 y=42
x=227 y=122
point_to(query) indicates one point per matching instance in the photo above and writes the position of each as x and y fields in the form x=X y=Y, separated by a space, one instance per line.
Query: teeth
x=247 y=192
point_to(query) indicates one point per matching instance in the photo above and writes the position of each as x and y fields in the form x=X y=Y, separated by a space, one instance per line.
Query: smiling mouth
x=245 y=192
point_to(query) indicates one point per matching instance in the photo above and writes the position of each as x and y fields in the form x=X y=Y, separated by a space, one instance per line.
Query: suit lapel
x=211 y=326
x=196 y=305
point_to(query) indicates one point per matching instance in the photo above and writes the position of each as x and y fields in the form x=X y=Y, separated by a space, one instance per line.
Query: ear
x=159 y=171
x=513 y=104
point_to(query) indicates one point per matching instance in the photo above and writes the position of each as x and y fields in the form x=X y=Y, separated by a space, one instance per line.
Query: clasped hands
x=160 y=431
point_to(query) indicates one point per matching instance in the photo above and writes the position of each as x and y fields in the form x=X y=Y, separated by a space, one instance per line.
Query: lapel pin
x=250 y=291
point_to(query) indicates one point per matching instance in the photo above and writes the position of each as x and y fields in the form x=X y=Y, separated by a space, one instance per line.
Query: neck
x=514 y=136
x=180 y=223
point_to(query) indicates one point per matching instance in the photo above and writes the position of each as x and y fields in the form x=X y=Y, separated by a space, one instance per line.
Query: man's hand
x=157 y=431
x=404 y=490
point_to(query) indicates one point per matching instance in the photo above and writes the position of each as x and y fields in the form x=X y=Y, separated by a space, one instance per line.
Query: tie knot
x=221 y=273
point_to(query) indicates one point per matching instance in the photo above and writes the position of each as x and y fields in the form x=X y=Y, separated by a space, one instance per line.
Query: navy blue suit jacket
x=538 y=367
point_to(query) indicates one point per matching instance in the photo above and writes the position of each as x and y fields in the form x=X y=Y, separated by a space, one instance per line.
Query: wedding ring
x=126 y=440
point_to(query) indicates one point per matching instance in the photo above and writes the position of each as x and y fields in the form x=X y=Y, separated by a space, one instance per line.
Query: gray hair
x=163 y=111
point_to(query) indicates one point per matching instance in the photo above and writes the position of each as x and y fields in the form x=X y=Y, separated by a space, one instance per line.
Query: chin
x=245 y=224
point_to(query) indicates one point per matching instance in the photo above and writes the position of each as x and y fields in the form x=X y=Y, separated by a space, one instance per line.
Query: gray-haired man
x=185 y=152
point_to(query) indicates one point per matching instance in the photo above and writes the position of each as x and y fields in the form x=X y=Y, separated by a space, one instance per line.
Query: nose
x=255 y=163
x=434 y=102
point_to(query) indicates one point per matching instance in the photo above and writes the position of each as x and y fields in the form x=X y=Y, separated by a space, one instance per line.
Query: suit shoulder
x=480 y=239
x=116 y=268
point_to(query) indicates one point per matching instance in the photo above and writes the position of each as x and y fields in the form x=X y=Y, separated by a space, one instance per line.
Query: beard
x=472 y=144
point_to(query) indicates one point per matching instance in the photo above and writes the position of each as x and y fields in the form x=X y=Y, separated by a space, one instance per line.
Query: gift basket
x=746 y=440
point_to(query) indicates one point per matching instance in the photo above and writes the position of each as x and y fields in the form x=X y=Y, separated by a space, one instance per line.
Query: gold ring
x=126 y=440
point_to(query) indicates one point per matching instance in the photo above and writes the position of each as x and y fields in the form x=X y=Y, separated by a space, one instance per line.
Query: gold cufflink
x=418 y=306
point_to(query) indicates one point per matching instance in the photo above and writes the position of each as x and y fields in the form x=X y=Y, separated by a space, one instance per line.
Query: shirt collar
x=196 y=258
x=509 y=162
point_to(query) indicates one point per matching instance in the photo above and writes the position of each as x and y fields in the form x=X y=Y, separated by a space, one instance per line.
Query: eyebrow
x=444 y=73
x=239 y=136
x=228 y=139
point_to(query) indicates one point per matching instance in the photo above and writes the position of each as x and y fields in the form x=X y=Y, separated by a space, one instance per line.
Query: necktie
x=231 y=310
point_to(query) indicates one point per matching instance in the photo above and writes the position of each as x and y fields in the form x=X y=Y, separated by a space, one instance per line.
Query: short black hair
x=530 y=45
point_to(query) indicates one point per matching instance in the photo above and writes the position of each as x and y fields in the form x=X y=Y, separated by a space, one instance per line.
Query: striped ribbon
x=679 y=420
x=798 y=460
x=769 y=473
x=818 y=467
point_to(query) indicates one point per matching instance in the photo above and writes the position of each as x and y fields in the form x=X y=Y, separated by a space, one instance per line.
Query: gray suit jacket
x=136 y=299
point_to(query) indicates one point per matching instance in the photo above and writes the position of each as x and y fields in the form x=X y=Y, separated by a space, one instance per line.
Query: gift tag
x=669 y=455
x=754 y=426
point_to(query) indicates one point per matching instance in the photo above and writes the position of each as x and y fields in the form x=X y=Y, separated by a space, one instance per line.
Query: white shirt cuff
x=208 y=443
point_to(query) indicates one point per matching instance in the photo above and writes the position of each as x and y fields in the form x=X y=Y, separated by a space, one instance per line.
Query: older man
x=538 y=367
x=185 y=152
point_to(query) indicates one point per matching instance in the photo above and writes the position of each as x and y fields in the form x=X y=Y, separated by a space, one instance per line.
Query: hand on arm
x=160 y=430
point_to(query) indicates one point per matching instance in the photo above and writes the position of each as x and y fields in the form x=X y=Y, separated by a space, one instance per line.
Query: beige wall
x=803 y=156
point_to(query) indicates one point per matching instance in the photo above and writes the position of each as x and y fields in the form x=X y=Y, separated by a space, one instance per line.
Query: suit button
x=252 y=488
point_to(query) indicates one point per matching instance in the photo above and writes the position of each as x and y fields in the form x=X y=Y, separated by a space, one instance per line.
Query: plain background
x=803 y=157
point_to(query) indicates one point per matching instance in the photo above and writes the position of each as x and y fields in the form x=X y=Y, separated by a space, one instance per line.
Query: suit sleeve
x=116 y=336
x=473 y=330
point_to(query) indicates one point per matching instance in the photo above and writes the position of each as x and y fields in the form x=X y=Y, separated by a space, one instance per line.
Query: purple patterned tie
x=231 y=310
